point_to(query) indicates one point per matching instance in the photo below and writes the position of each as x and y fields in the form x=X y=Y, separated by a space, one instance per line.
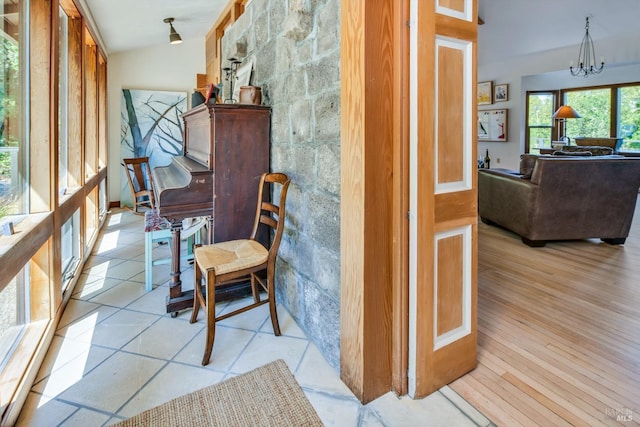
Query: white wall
x=167 y=67
x=550 y=70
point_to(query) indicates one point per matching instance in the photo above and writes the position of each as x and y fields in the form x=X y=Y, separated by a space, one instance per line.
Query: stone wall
x=295 y=49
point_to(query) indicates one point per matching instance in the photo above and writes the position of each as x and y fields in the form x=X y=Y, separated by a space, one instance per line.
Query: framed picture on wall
x=501 y=93
x=492 y=125
x=485 y=93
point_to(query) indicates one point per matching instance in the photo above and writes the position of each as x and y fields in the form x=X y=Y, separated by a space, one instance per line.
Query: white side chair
x=158 y=229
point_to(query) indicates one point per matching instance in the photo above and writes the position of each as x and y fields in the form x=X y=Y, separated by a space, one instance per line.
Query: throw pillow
x=572 y=153
x=527 y=162
x=593 y=149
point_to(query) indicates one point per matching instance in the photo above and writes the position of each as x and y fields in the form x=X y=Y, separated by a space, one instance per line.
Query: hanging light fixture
x=174 y=37
x=587 y=57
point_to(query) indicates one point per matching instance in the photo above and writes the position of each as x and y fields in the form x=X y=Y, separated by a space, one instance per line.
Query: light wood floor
x=558 y=332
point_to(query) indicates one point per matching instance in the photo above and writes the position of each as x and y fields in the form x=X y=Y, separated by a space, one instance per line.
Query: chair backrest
x=138 y=173
x=271 y=214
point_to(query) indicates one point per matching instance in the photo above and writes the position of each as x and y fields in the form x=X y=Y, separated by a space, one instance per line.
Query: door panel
x=443 y=229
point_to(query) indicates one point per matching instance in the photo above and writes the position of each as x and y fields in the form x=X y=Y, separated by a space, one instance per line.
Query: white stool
x=157 y=229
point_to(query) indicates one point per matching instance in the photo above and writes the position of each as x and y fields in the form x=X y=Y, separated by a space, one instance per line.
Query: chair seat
x=234 y=255
x=154 y=222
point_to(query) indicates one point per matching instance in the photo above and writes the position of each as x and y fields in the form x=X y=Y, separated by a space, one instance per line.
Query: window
x=13 y=306
x=103 y=199
x=606 y=111
x=540 y=108
x=70 y=247
x=629 y=117
x=38 y=262
x=594 y=107
x=63 y=102
x=13 y=143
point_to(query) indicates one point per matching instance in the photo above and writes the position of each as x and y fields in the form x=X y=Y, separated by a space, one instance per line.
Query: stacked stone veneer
x=295 y=49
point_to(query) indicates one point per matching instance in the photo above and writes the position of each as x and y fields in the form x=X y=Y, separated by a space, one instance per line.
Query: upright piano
x=226 y=149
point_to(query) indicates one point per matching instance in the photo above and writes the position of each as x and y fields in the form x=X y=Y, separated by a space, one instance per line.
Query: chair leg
x=272 y=302
x=254 y=289
x=211 y=317
x=148 y=261
x=197 y=292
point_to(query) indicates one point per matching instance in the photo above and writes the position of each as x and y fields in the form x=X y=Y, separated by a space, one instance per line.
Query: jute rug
x=266 y=396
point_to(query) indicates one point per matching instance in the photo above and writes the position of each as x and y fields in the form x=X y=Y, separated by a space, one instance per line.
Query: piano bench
x=158 y=229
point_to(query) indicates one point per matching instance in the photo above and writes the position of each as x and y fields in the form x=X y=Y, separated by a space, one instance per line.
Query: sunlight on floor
x=109 y=241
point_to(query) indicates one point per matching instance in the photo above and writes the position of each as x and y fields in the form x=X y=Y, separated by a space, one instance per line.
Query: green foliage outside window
x=594 y=105
x=9 y=84
x=629 y=122
x=595 y=108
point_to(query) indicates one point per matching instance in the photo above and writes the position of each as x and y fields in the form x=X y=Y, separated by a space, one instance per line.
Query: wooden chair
x=139 y=176
x=235 y=260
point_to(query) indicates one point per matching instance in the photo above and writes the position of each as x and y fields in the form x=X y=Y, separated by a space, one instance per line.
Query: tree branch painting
x=151 y=126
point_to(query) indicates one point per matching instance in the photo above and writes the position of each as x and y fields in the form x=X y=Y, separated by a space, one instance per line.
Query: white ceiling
x=512 y=27
x=133 y=24
x=521 y=27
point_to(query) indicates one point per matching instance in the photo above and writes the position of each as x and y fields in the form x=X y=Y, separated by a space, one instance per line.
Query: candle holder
x=230 y=76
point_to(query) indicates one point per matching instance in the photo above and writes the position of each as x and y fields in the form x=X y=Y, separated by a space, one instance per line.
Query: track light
x=174 y=37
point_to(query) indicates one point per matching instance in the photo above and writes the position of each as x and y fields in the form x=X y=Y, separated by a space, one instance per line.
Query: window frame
x=38 y=238
x=527 y=133
x=559 y=95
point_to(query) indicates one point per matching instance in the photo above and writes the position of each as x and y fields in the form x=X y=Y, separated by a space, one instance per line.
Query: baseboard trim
x=114 y=204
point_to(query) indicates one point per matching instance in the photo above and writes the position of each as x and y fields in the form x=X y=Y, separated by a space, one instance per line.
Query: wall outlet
x=498 y=160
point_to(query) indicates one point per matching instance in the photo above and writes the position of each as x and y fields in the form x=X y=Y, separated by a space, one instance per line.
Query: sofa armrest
x=506 y=199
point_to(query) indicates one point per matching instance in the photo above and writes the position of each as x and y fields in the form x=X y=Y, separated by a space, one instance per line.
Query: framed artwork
x=492 y=125
x=485 y=93
x=150 y=127
x=501 y=93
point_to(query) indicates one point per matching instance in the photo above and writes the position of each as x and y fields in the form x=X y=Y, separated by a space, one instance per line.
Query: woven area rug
x=266 y=396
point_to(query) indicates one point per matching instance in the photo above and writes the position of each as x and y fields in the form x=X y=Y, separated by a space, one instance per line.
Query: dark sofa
x=562 y=198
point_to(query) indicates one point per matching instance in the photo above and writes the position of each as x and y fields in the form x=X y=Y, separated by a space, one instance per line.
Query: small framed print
x=485 y=93
x=501 y=93
x=492 y=125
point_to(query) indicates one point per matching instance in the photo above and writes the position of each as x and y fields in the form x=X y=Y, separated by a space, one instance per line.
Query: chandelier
x=587 y=57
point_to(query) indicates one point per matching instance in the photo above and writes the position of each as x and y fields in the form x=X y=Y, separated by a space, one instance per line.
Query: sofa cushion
x=527 y=162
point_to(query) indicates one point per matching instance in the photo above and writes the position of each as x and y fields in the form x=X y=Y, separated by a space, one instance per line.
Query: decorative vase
x=250 y=95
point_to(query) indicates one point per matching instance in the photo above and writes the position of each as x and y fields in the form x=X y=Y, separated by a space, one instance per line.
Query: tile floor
x=117 y=352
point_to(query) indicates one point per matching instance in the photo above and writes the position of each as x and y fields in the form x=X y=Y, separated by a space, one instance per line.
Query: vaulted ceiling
x=521 y=27
x=512 y=27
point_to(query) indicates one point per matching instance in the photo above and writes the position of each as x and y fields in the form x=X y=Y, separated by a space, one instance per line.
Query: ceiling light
x=174 y=37
x=587 y=57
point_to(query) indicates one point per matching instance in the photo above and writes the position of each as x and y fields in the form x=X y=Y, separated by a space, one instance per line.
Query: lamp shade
x=566 y=112
x=174 y=37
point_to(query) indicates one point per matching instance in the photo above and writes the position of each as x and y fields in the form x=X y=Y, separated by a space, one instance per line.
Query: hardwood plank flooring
x=558 y=331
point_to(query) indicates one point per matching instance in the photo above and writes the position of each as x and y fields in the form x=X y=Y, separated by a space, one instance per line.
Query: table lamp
x=563 y=113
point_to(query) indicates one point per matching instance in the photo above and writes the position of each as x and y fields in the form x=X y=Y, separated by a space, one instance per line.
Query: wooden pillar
x=408 y=215
x=367 y=135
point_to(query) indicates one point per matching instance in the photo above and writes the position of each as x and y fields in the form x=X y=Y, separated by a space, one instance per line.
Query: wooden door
x=443 y=193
